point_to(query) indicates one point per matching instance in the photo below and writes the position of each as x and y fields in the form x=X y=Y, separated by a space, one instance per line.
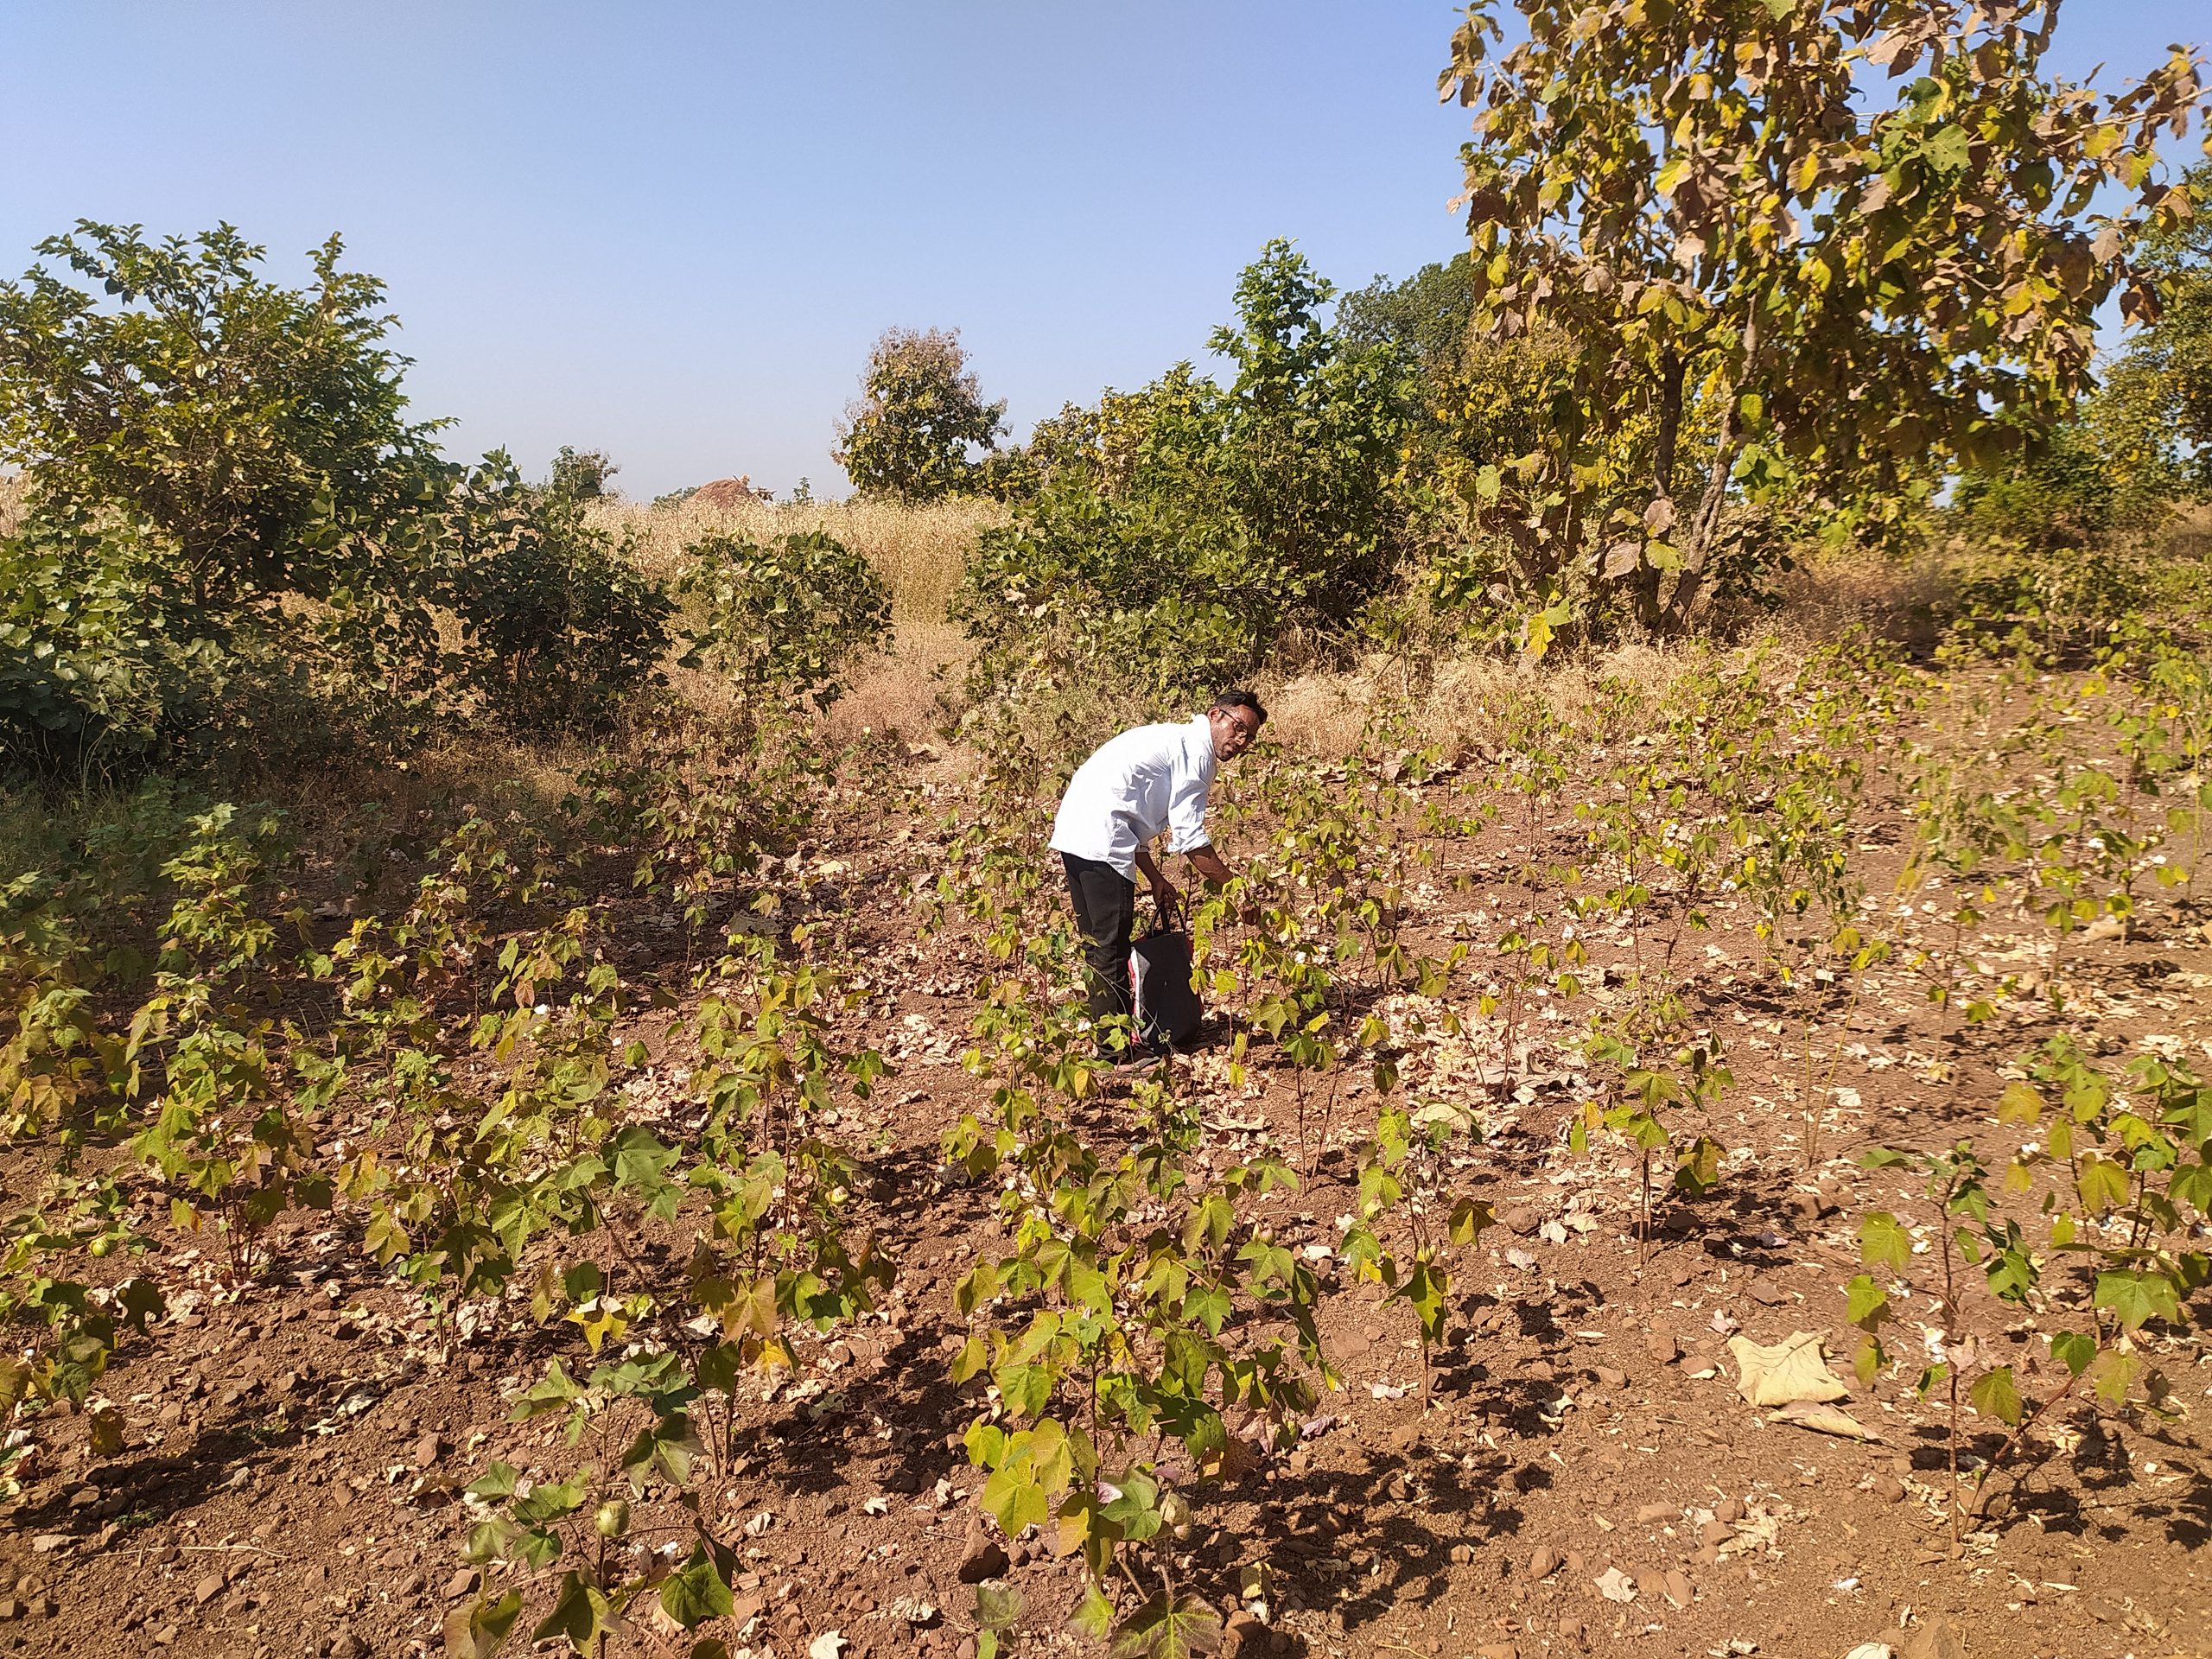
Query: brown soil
x=289 y=1480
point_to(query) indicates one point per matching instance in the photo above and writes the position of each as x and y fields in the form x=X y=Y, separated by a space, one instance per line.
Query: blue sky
x=670 y=231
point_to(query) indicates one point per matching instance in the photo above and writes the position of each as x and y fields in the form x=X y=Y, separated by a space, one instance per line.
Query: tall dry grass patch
x=12 y=491
x=1469 y=705
x=920 y=550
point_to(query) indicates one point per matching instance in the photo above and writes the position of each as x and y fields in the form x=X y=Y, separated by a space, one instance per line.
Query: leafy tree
x=1772 y=287
x=2160 y=391
x=581 y=475
x=246 y=424
x=1179 y=530
x=787 y=619
x=921 y=413
x=561 y=622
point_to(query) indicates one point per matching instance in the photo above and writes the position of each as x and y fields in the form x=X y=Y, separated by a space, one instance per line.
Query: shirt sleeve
x=1192 y=778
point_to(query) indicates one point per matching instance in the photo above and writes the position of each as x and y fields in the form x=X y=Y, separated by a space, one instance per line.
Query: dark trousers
x=1105 y=908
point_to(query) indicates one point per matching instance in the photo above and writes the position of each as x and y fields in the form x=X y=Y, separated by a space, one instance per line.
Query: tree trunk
x=1696 y=546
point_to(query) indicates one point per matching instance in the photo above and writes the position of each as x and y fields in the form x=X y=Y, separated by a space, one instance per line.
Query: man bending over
x=1147 y=779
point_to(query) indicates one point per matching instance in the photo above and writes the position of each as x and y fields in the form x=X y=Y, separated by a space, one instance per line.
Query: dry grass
x=11 y=502
x=920 y=551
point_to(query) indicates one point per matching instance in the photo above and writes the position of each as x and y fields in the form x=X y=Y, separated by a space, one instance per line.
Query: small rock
x=209 y=1588
x=463 y=1583
x=11 y=1609
x=982 y=1557
x=1608 y=1377
x=345 y=1644
x=1497 y=1650
x=1462 y=1554
x=1662 y=1346
x=1656 y=1512
x=1714 y=1534
x=1522 y=1219
x=1729 y=1510
x=1888 y=1488
x=1574 y=1631
x=1766 y=1292
x=1678 y=1588
x=1541 y=1370
x=1243 y=1636
x=1544 y=1562
x=429 y=1449
x=1651 y=1581
x=1937 y=1639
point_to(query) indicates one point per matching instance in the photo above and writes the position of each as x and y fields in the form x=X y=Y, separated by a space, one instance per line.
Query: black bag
x=1167 y=1007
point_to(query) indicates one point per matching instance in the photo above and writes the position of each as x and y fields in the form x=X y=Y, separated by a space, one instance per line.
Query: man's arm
x=1207 y=862
x=1209 y=865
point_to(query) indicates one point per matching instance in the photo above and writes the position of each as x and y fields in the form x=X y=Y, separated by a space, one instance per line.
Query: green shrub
x=559 y=622
x=1177 y=534
x=88 y=668
x=786 y=618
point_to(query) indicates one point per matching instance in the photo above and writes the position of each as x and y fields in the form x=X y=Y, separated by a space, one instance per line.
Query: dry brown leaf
x=1824 y=1419
x=1792 y=1370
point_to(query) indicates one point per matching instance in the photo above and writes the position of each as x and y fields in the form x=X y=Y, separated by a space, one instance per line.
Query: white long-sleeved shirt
x=1149 y=779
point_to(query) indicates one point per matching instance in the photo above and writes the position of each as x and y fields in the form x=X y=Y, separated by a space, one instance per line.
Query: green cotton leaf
x=481 y=1630
x=1207 y=1305
x=1027 y=1389
x=1884 y=1242
x=1093 y=1614
x=580 y=1613
x=998 y=1605
x=642 y=1171
x=2111 y=1375
x=1469 y=1219
x=2021 y=1102
x=2136 y=1295
x=556 y=1392
x=540 y=1548
x=2102 y=1185
x=972 y=1359
x=2073 y=1349
x=1867 y=1362
x=1869 y=1304
x=1995 y=1394
x=498 y=1480
x=669 y=1446
x=550 y=1500
x=1135 y=1513
x=1167 y=1627
x=1697 y=1171
x=696 y=1591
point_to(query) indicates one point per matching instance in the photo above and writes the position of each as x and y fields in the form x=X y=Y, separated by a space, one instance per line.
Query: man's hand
x=1209 y=865
x=1169 y=897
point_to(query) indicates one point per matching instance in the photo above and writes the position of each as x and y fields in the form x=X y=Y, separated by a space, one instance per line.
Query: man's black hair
x=1235 y=699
